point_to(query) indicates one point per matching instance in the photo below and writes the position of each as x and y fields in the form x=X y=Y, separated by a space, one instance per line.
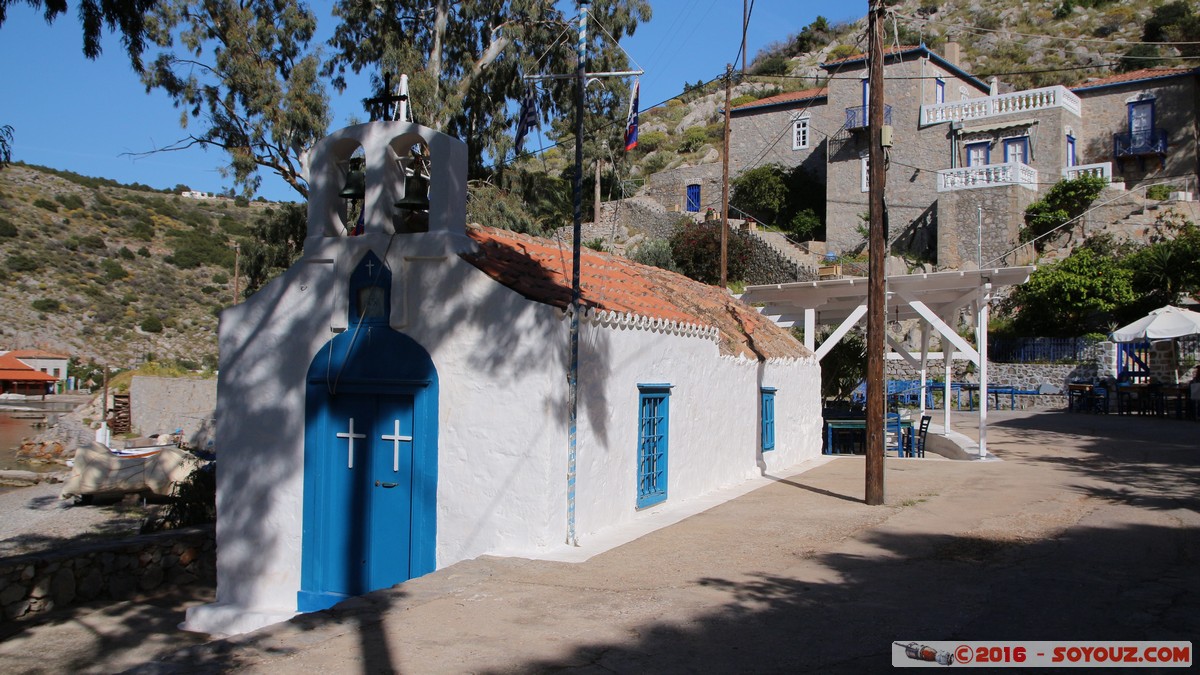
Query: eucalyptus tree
x=126 y=17
x=466 y=59
x=248 y=73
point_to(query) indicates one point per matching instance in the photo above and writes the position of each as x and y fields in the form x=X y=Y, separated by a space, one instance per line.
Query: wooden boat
x=98 y=471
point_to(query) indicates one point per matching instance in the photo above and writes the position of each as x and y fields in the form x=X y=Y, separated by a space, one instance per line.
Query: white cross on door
x=350 y=435
x=396 y=438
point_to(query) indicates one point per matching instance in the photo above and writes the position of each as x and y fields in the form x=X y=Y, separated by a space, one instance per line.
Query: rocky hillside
x=115 y=274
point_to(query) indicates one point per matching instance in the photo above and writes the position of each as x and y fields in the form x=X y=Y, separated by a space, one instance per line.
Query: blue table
x=859 y=426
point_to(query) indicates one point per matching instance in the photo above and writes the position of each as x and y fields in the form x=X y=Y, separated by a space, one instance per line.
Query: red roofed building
x=397 y=401
x=18 y=378
x=51 y=363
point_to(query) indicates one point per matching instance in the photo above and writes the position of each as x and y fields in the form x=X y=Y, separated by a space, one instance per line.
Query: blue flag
x=527 y=119
x=631 y=125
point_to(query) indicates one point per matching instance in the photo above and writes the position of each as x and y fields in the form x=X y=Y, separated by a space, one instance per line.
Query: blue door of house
x=368 y=463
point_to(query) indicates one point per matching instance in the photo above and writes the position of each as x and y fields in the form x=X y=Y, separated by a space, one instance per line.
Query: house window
x=1141 y=122
x=1016 y=149
x=866 y=89
x=1071 y=161
x=978 y=154
x=768 y=418
x=693 y=197
x=939 y=90
x=800 y=133
x=865 y=164
x=653 y=433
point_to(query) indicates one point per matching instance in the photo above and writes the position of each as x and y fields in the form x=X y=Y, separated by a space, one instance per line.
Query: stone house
x=1144 y=123
x=397 y=401
x=964 y=159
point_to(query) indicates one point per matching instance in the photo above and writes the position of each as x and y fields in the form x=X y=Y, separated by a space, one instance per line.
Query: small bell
x=356 y=181
x=416 y=194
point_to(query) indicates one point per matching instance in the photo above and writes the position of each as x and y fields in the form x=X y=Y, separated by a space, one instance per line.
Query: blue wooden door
x=693 y=197
x=367 y=505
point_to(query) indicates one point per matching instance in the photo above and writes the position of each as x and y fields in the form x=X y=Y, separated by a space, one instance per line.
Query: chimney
x=952 y=52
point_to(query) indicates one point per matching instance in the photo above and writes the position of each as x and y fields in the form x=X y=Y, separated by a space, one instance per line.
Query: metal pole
x=725 y=184
x=573 y=373
x=876 y=280
x=979 y=239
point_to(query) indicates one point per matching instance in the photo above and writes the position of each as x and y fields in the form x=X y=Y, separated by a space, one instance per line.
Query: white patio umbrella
x=1161 y=324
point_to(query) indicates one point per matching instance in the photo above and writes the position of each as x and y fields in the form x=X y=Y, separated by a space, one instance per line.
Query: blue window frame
x=1016 y=150
x=654 y=406
x=979 y=154
x=1071 y=159
x=768 y=418
x=939 y=90
x=693 y=197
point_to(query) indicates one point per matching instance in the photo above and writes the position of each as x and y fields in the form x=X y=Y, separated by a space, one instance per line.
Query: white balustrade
x=989 y=175
x=1101 y=170
x=1003 y=104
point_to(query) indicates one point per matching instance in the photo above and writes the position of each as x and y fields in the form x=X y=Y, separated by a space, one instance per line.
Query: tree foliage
x=275 y=242
x=126 y=17
x=1068 y=199
x=247 y=71
x=791 y=199
x=466 y=62
x=696 y=250
x=1080 y=294
x=1175 y=22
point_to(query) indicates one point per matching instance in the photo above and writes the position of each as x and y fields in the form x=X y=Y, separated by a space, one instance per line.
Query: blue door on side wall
x=693 y=197
x=370 y=454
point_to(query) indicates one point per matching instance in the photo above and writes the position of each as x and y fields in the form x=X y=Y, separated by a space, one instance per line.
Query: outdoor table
x=858 y=428
x=1083 y=397
x=1178 y=392
x=995 y=393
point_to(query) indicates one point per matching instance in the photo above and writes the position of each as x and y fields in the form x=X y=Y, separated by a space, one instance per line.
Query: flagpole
x=576 y=234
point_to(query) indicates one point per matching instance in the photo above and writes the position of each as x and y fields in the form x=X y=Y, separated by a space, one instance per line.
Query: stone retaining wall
x=121 y=570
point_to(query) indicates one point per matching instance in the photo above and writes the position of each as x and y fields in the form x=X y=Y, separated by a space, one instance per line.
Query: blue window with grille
x=768 y=418
x=693 y=197
x=653 y=435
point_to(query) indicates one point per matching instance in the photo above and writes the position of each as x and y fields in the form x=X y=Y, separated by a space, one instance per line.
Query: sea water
x=12 y=432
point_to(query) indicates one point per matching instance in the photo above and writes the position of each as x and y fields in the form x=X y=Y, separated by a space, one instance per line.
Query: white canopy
x=1161 y=324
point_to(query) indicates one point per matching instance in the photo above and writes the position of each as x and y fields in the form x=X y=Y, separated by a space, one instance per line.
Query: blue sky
x=85 y=116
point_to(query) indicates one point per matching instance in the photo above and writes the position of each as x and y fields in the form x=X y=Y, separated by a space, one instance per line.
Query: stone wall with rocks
x=767 y=266
x=161 y=405
x=122 y=570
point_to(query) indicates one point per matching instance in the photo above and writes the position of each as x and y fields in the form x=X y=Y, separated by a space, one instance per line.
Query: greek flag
x=527 y=119
x=631 y=126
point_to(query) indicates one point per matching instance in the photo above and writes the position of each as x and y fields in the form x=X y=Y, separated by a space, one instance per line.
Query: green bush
x=1068 y=199
x=775 y=64
x=696 y=249
x=113 y=270
x=19 y=263
x=655 y=162
x=125 y=253
x=7 y=229
x=144 y=252
x=654 y=252
x=742 y=100
x=220 y=278
x=70 y=201
x=694 y=138
x=1160 y=192
x=46 y=204
x=649 y=141
x=152 y=324
x=842 y=51
x=596 y=244
x=47 y=305
x=88 y=242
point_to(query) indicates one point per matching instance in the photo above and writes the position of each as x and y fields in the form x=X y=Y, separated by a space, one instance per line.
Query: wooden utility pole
x=877 y=243
x=725 y=183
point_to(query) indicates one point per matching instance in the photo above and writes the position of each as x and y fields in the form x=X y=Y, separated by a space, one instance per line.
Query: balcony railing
x=1003 y=104
x=1101 y=170
x=989 y=175
x=856 y=117
x=1140 y=143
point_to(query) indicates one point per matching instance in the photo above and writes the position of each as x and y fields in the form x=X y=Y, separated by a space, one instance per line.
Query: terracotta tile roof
x=35 y=354
x=890 y=51
x=779 y=99
x=12 y=370
x=1133 y=76
x=540 y=270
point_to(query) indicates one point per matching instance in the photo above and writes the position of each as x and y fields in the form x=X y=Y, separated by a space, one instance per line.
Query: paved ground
x=1088 y=530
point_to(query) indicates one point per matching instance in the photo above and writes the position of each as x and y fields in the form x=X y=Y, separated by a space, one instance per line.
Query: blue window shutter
x=693 y=197
x=653 y=442
x=768 y=419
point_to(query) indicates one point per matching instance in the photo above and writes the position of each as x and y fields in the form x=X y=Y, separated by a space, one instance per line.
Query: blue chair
x=893 y=434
